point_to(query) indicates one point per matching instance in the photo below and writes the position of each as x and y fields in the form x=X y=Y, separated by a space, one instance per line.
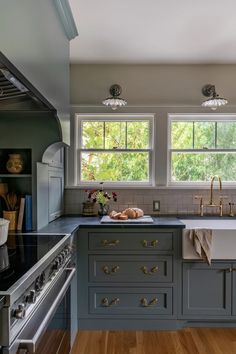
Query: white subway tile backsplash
x=172 y=201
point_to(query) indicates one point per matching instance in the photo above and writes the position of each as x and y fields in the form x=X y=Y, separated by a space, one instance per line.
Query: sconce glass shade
x=115 y=101
x=214 y=103
x=215 y=100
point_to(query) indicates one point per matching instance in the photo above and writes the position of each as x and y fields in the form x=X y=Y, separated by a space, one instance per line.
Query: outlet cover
x=156 y=205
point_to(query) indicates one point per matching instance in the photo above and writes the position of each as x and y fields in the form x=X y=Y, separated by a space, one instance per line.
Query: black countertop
x=70 y=224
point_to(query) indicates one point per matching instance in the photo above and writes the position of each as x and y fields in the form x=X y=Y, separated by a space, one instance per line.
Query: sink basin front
x=224 y=238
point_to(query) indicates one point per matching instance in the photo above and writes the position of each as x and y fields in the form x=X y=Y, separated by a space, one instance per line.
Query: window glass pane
x=204 y=135
x=115 y=135
x=182 y=135
x=226 y=135
x=189 y=167
x=115 y=166
x=92 y=135
x=138 y=135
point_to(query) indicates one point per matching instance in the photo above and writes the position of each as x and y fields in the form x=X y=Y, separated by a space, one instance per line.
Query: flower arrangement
x=100 y=196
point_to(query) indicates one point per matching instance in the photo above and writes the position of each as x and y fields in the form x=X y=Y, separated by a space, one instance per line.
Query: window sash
x=217 y=118
x=80 y=118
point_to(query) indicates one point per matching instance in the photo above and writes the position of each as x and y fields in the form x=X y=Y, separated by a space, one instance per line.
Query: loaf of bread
x=129 y=213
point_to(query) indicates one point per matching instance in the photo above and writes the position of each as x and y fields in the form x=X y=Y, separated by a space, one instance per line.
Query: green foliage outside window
x=105 y=160
x=198 y=166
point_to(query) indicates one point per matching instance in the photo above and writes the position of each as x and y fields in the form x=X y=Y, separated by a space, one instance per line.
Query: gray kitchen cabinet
x=207 y=290
x=125 y=274
x=57 y=159
x=56 y=192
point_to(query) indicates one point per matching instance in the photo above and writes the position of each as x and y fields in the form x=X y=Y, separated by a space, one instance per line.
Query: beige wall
x=151 y=84
x=157 y=89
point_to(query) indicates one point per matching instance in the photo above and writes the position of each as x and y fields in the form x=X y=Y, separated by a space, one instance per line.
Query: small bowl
x=4 y=224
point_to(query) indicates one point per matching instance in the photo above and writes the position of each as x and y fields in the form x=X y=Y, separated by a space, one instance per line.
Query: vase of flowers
x=102 y=198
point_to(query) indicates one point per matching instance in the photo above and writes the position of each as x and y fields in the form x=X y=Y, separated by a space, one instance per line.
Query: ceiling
x=154 y=31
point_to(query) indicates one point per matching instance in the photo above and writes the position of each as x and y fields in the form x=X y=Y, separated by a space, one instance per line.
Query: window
x=202 y=146
x=115 y=149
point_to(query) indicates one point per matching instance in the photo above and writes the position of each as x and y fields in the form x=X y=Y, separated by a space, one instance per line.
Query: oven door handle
x=31 y=344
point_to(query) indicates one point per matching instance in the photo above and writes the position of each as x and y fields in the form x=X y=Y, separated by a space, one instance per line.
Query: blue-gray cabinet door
x=130 y=301
x=234 y=289
x=130 y=269
x=131 y=240
x=56 y=192
x=206 y=290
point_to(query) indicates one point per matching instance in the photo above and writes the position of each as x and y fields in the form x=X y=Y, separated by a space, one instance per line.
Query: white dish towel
x=202 y=242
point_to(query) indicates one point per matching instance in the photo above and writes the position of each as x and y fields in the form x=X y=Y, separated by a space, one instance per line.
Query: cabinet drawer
x=131 y=240
x=119 y=268
x=130 y=301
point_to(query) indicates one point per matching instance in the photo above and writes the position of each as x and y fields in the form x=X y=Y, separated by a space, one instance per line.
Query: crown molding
x=66 y=18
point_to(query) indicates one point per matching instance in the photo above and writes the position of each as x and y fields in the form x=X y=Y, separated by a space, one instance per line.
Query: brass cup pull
x=150 y=244
x=149 y=272
x=112 y=243
x=105 y=302
x=144 y=302
x=112 y=271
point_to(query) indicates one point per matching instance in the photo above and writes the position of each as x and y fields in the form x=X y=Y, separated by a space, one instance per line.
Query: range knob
x=31 y=298
x=40 y=281
x=19 y=313
x=56 y=265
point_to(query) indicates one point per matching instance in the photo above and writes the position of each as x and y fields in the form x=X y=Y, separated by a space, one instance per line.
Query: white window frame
x=108 y=117
x=229 y=117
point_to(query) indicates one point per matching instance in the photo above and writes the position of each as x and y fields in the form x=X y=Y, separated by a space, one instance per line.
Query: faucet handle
x=198 y=196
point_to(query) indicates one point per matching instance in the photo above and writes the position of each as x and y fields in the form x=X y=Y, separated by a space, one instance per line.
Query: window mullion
x=104 y=135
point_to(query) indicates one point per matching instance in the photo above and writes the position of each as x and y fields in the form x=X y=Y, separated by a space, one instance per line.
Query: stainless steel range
x=35 y=294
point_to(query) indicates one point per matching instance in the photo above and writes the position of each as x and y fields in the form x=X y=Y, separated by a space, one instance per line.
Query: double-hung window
x=201 y=146
x=114 y=148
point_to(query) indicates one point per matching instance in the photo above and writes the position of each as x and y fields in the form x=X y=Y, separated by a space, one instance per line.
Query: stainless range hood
x=17 y=93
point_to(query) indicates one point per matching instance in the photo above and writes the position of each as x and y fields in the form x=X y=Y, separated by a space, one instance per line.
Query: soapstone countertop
x=70 y=224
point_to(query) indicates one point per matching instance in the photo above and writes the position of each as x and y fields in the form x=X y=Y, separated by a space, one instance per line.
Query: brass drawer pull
x=112 y=243
x=105 y=302
x=150 y=244
x=149 y=272
x=112 y=271
x=145 y=303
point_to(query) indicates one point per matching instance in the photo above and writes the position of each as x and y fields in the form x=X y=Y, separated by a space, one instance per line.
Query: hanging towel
x=202 y=242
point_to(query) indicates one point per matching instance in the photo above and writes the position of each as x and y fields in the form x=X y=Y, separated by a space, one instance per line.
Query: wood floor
x=186 y=341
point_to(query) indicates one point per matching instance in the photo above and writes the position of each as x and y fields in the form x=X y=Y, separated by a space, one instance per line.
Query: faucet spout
x=212 y=184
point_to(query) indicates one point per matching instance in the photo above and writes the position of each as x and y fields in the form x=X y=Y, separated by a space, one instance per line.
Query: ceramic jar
x=15 y=163
x=88 y=209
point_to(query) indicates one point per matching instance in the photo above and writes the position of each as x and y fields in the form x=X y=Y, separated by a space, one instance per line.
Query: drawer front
x=131 y=240
x=130 y=301
x=104 y=268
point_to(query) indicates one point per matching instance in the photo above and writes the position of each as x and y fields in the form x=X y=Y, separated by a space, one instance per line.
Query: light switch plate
x=156 y=205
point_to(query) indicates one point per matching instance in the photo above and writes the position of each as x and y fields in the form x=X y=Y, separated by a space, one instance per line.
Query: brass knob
x=149 y=272
x=112 y=243
x=112 y=271
x=150 y=244
x=145 y=303
x=105 y=302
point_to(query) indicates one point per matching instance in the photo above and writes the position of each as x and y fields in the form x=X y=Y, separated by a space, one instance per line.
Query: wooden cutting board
x=146 y=219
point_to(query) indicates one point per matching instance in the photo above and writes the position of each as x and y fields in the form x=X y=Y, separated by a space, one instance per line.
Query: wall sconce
x=215 y=100
x=115 y=101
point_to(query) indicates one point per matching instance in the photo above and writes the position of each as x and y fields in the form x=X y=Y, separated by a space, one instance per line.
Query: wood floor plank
x=185 y=341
